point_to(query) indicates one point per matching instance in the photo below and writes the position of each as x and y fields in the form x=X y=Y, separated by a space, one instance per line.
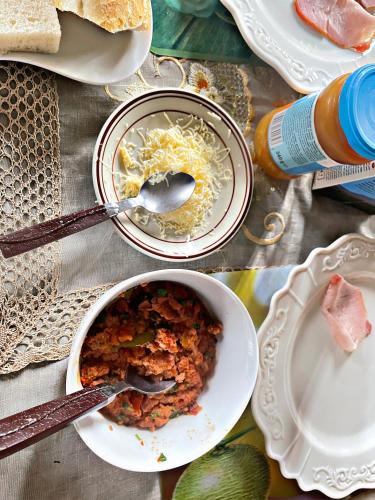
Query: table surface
x=61 y=466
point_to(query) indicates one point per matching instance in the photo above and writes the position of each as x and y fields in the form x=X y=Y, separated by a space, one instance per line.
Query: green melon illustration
x=235 y=472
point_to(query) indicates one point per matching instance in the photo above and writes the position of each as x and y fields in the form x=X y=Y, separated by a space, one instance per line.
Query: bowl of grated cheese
x=175 y=130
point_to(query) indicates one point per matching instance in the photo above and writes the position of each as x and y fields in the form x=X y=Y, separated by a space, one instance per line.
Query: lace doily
x=49 y=335
x=29 y=193
x=36 y=324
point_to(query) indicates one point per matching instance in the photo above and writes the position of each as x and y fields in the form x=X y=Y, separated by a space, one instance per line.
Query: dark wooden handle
x=29 y=426
x=41 y=234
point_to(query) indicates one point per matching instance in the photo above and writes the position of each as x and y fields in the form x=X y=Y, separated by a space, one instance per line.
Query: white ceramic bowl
x=223 y=401
x=229 y=210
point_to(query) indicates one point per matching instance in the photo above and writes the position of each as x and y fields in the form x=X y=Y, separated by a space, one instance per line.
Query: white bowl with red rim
x=147 y=112
x=223 y=400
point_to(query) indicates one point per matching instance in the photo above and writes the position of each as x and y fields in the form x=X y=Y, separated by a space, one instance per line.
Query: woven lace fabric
x=36 y=323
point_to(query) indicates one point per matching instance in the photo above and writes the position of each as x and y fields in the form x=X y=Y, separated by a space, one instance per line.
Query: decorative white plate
x=304 y=58
x=228 y=212
x=89 y=54
x=315 y=403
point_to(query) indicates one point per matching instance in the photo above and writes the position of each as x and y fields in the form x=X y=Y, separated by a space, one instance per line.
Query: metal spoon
x=157 y=197
x=29 y=426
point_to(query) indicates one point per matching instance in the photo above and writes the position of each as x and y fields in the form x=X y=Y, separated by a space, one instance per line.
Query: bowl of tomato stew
x=172 y=324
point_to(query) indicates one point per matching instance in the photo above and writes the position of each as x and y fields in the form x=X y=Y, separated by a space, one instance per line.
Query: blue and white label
x=344 y=174
x=356 y=180
x=292 y=139
x=365 y=188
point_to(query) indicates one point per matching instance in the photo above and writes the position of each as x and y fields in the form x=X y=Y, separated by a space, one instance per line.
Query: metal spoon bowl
x=166 y=195
x=156 y=196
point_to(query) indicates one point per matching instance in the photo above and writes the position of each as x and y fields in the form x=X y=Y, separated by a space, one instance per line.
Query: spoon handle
x=29 y=426
x=41 y=234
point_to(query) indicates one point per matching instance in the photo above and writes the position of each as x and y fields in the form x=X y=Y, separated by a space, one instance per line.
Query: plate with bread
x=91 y=41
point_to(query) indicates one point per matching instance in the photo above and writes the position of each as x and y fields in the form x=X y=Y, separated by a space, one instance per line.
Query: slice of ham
x=346 y=314
x=368 y=5
x=344 y=22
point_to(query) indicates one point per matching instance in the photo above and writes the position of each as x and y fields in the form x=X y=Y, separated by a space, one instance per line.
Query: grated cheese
x=126 y=159
x=132 y=186
x=190 y=148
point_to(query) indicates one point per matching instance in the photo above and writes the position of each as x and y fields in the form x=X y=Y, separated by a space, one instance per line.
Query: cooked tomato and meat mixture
x=164 y=331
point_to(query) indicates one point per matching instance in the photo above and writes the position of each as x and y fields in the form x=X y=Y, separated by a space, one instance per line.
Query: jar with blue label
x=333 y=127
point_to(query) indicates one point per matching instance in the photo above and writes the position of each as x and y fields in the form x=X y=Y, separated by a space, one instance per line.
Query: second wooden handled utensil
x=29 y=426
x=155 y=196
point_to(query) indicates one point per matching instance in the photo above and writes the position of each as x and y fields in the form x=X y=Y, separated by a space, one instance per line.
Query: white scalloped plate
x=89 y=54
x=304 y=58
x=315 y=403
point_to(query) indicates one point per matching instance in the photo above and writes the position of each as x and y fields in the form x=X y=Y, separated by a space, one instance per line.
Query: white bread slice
x=148 y=16
x=30 y=26
x=75 y=6
x=112 y=15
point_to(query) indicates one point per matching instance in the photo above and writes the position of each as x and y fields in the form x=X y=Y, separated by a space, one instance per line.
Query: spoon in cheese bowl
x=158 y=194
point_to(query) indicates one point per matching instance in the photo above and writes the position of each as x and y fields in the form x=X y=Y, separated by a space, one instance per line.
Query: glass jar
x=329 y=128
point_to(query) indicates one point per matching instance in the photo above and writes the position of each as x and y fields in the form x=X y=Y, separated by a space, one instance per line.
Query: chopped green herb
x=176 y=413
x=127 y=294
x=162 y=292
x=181 y=301
x=126 y=406
x=140 y=439
x=162 y=458
x=155 y=414
x=196 y=326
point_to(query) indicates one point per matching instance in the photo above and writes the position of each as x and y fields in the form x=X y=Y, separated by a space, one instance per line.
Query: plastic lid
x=357 y=111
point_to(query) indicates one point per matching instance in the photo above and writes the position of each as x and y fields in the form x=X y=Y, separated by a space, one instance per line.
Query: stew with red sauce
x=163 y=330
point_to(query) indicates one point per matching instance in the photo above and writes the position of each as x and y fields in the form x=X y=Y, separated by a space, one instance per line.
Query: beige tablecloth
x=62 y=467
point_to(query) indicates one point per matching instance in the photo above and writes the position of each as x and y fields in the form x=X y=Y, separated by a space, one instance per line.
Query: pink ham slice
x=346 y=314
x=368 y=5
x=344 y=22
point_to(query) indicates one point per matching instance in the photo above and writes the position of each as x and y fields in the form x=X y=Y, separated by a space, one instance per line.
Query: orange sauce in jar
x=262 y=152
x=329 y=135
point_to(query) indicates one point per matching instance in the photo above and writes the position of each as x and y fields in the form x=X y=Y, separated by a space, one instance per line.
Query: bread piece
x=70 y=6
x=29 y=26
x=112 y=15
x=148 y=16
